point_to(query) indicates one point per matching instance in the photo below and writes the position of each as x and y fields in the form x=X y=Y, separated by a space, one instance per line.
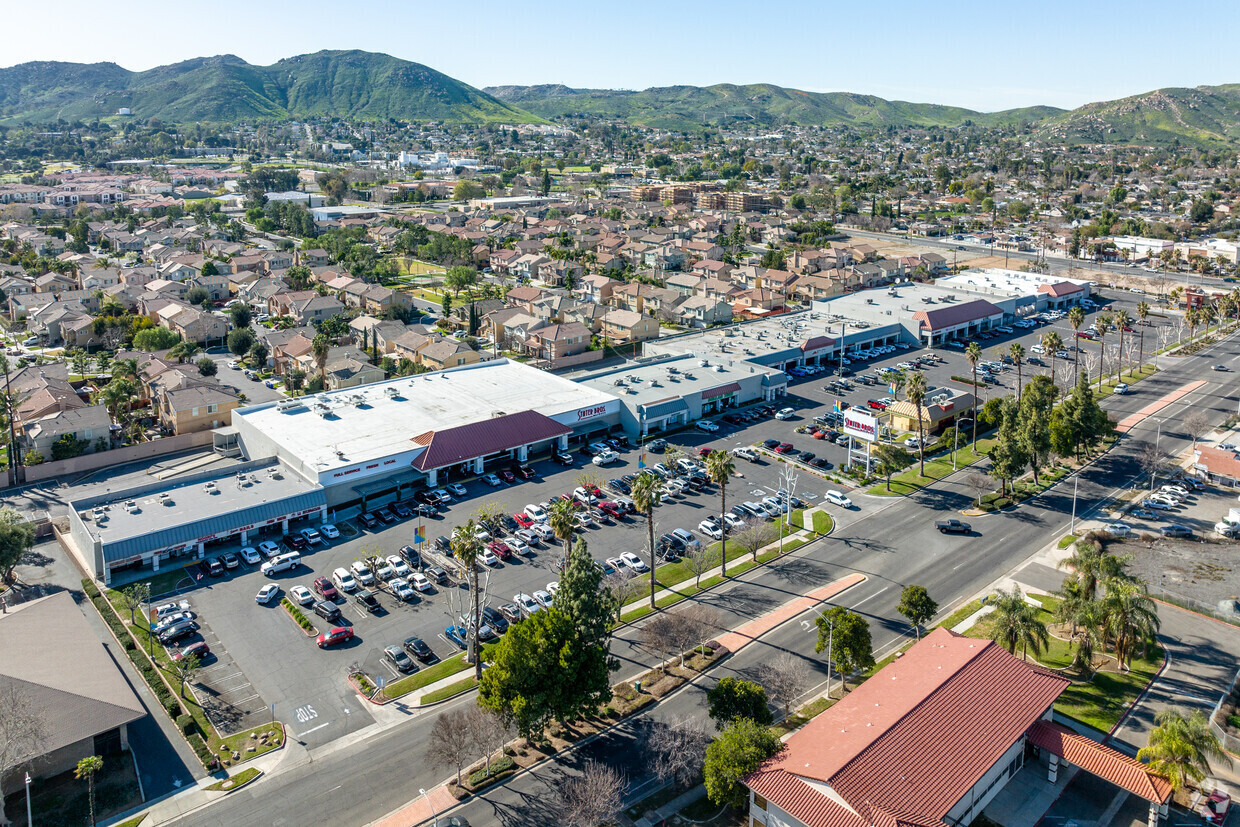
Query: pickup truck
x=953 y=527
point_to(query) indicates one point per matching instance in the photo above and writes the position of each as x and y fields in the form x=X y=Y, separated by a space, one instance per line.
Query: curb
x=247 y=783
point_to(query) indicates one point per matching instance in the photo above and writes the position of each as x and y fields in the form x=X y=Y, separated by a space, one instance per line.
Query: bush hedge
x=499 y=767
x=297 y=614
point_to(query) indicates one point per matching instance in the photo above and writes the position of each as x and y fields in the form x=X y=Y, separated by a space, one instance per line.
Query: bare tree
x=701 y=560
x=785 y=679
x=23 y=731
x=451 y=743
x=754 y=535
x=1151 y=459
x=624 y=585
x=677 y=749
x=979 y=484
x=489 y=732
x=1197 y=424
x=592 y=798
x=185 y=670
x=1089 y=363
x=658 y=634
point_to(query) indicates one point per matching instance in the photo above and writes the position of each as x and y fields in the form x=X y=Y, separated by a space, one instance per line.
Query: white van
x=281 y=562
x=1038 y=349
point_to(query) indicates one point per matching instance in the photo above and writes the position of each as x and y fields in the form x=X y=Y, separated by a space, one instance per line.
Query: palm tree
x=562 y=517
x=1129 y=616
x=1088 y=633
x=466 y=547
x=1093 y=567
x=1122 y=319
x=1016 y=623
x=645 y=493
x=1101 y=325
x=184 y=351
x=1143 y=313
x=915 y=393
x=1053 y=343
x=1017 y=352
x=117 y=396
x=86 y=768
x=321 y=345
x=974 y=354
x=1180 y=747
x=1076 y=318
x=1193 y=317
x=720 y=468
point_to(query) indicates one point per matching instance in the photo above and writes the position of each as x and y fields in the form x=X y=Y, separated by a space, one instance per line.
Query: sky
x=981 y=55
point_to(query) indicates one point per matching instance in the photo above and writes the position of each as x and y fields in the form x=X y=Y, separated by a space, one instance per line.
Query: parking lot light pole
x=1076 y=481
x=435 y=815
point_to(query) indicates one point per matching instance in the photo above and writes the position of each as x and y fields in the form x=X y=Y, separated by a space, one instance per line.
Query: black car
x=426 y=497
x=819 y=462
x=525 y=472
x=386 y=515
x=327 y=610
x=509 y=523
x=296 y=542
x=411 y=555
x=563 y=459
x=657 y=444
x=416 y=647
x=620 y=485
x=806 y=456
x=215 y=568
x=401 y=510
x=424 y=510
x=670 y=547
x=369 y=520
x=493 y=618
x=623 y=442
x=366 y=598
x=770 y=444
x=177 y=632
x=397 y=657
x=443 y=544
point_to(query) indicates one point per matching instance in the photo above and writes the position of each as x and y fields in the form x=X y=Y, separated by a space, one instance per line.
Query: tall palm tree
x=1121 y=320
x=1130 y=616
x=1180 y=747
x=1017 y=352
x=645 y=493
x=562 y=517
x=1016 y=624
x=1193 y=317
x=1093 y=568
x=1076 y=318
x=1053 y=343
x=974 y=354
x=321 y=345
x=915 y=393
x=466 y=547
x=1102 y=324
x=86 y=768
x=1143 y=313
x=720 y=468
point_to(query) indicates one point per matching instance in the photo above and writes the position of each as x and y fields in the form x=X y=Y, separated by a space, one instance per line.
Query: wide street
x=369 y=773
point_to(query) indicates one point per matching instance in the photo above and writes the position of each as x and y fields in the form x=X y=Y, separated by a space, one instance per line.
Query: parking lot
x=263 y=649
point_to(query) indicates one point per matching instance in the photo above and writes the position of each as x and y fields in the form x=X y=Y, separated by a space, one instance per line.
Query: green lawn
x=166 y=581
x=937 y=468
x=234 y=781
x=242 y=741
x=427 y=676
x=1129 y=377
x=448 y=691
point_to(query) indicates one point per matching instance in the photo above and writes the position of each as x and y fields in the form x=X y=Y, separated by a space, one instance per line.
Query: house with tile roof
x=932 y=739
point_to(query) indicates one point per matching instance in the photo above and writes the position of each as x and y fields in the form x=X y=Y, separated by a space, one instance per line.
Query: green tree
x=562 y=517
x=1130 y=617
x=466 y=547
x=1143 y=313
x=209 y=268
x=583 y=598
x=1181 y=746
x=734 y=698
x=546 y=182
x=974 y=354
x=155 y=338
x=240 y=315
x=1015 y=623
x=1036 y=405
x=847 y=635
x=16 y=538
x=321 y=347
x=460 y=278
x=240 y=341
x=646 y=491
x=1017 y=352
x=720 y=468
x=917 y=605
x=258 y=354
x=197 y=296
x=446 y=304
x=915 y=393
x=465 y=190
x=1076 y=318
x=206 y=367
x=890 y=459
x=739 y=750
x=85 y=770
x=1007 y=456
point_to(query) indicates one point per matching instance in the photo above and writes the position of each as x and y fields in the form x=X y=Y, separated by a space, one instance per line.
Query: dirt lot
x=1204 y=571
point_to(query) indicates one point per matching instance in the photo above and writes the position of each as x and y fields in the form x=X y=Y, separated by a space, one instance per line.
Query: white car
x=312 y=536
x=363 y=573
x=443 y=495
x=344 y=580
x=544 y=599
x=912 y=442
x=553 y=588
x=251 y=556
x=420 y=582
x=711 y=529
x=526 y=604
x=268 y=548
x=267 y=593
x=616 y=563
x=837 y=498
x=608 y=457
x=300 y=594
x=584 y=519
x=481 y=534
x=234 y=365
x=165 y=610
x=400 y=589
x=488 y=558
x=384 y=571
x=529 y=536
x=634 y=562
x=1121 y=388
x=785 y=413
x=544 y=532
x=732 y=521
x=518 y=546
x=329 y=531
x=399 y=567
x=536 y=513
x=707 y=425
x=457 y=489
x=1158 y=502
x=1118 y=529
x=1177 y=490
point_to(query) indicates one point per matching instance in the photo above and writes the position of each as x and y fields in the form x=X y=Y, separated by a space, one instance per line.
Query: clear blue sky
x=983 y=55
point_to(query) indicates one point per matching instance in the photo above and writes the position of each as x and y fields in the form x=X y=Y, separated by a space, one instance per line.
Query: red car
x=523 y=520
x=877 y=404
x=821 y=434
x=611 y=509
x=199 y=649
x=704 y=451
x=507 y=476
x=594 y=489
x=337 y=634
x=1084 y=334
x=500 y=549
x=324 y=587
x=783 y=447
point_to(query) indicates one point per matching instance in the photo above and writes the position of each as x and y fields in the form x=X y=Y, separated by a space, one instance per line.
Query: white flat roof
x=996 y=281
x=385 y=425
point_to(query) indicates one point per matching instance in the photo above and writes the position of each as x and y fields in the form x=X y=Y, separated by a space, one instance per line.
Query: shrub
x=174 y=709
x=187 y=725
x=1233 y=721
x=499 y=766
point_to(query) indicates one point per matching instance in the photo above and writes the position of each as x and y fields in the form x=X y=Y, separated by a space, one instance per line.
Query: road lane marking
x=313 y=729
x=871 y=597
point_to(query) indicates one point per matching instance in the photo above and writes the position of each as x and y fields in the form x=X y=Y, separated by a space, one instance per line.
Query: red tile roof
x=956 y=314
x=816 y=343
x=480 y=439
x=1060 y=289
x=731 y=387
x=913 y=739
x=1100 y=760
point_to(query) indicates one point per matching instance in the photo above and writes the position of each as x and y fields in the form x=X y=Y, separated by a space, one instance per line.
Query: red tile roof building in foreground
x=928 y=741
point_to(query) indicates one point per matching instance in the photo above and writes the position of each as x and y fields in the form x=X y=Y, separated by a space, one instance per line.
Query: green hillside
x=1204 y=115
x=688 y=107
x=357 y=85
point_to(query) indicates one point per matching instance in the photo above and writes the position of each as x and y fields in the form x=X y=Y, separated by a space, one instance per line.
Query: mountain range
x=368 y=86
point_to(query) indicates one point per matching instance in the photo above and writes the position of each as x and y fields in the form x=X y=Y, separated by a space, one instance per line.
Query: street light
x=790 y=486
x=29 y=820
x=830 y=641
x=422 y=792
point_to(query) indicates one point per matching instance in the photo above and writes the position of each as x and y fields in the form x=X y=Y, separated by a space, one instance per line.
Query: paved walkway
x=1133 y=420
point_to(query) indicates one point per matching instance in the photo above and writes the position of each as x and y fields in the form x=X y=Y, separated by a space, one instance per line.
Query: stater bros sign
x=860 y=425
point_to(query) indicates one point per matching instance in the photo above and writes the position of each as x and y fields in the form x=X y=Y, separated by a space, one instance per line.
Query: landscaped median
x=235 y=782
x=937 y=467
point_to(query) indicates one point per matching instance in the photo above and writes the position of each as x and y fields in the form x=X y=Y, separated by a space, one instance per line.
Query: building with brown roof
x=931 y=739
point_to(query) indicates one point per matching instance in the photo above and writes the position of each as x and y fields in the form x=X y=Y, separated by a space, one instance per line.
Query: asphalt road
x=889 y=540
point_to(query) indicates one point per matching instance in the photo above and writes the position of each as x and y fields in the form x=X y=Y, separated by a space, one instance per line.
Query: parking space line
x=313 y=729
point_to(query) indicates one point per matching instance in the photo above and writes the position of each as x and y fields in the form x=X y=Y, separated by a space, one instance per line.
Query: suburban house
x=447 y=353
x=190 y=408
x=934 y=738
x=346 y=367
x=597 y=289
x=557 y=341
x=193 y=324
x=87 y=424
x=700 y=311
x=306 y=306
x=621 y=327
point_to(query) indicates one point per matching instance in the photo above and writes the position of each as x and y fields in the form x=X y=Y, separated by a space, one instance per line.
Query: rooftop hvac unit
x=287 y=404
x=704 y=363
x=654 y=383
x=718 y=368
x=619 y=383
x=688 y=375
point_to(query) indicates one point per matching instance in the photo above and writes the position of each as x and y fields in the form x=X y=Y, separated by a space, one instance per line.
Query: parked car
x=1176 y=530
x=251 y=556
x=325 y=588
x=329 y=531
x=269 y=548
x=420 y=582
x=301 y=595
x=367 y=600
x=231 y=561
x=396 y=656
x=526 y=604
x=635 y=563
x=327 y=610
x=418 y=648
x=457 y=635
x=369 y=520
